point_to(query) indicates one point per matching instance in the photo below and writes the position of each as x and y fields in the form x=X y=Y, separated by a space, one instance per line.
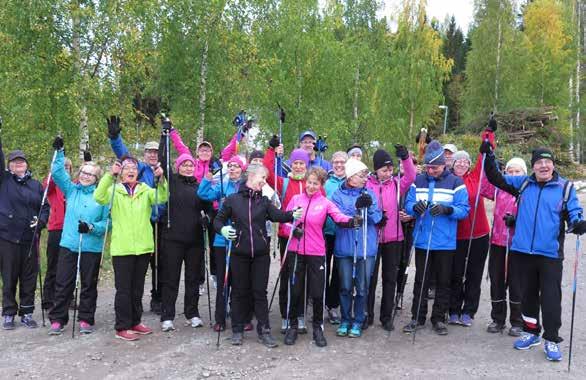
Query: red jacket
x=57 y=202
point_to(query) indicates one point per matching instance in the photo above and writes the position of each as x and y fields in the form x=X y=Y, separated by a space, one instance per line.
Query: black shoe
x=267 y=339
x=365 y=324
x=156 y=306
x=237 y=338
x=291 y=336
x=412 y=326
x=495 y=327
x=516 y=331
x=371 y=320
x=319 y=338
x=388 y=326
x=440 y=328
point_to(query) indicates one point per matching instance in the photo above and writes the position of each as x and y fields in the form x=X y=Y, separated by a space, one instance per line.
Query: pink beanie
x=238 y=161
x=181 y=159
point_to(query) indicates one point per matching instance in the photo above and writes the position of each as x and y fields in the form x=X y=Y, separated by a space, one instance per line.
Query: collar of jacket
x=351 y=190
x=24 y=179
x=554 y=179
x=139 y=188
x=188 y=180
x=249 y=193
x=86 y=189
x=444 y=174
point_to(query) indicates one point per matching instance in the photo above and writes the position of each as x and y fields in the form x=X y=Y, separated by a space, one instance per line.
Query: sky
x=461 y=9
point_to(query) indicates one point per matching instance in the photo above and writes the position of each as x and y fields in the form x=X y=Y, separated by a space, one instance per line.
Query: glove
x=281 y=113
x=492 y=124
x=363 y=201
x=578 y=227
x=297 y=213
x=438 y=209
x=401 y=152
x=357 y=221
x=215 y=165
x=228 y=232
x=239 y=119
x=113 y=126
x=321 y=145
x=87 y=156
x=509 y=220
x=83 y=227
x=58 y=143
x=383 y=221
x=167 y=124
x=34 y=222
x=274 y=142
x=298 y=232
x=420 y=207
x=485 y=147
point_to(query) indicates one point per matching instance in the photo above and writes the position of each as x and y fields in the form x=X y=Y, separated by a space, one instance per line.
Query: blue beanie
x=434 y=154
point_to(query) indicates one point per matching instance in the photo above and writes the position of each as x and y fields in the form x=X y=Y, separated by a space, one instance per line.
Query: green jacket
x=132 y=233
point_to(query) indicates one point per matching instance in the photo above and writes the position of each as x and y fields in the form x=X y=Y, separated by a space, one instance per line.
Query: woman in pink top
x=306 y=254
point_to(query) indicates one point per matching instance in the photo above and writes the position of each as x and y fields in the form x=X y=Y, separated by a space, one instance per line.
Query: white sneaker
x=194 y=322
x=167 y=326
x=284 y=325
x=214 y=281
x=301 y=325
x=202 y=290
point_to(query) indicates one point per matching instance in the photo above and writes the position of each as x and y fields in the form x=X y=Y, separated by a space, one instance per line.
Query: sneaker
x=355 y=331
x=28 y=321
x=56 y=329
x=219 y=327
x=466 y=320
x=127 y=335
x=194 y=322
x=301 y=325
x=319 y=338
x=85 y=328
x=156 y=307
x=291 y=336
x=202 y=290
x=370 y=320
x=515 y=331
x=141 y=329
x=526 y=341
x=167 y=326
x=440 y=328
x=343 y=329
x=552 y=351
x=8 y=322
x=236 y=339
x=284 y=325
x=267 y=339
x=388 y=326
x=495 y=327
x=214 y=281
x=333 y=317
x=412 y=326
x=454 y=320
x=248 y=327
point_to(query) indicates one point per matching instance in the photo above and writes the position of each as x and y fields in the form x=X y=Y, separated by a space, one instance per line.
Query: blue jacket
x=210 y=191
x=448 y=190
x=540 y=229
x=345 y=198
x=80 y=206
x=332 y=184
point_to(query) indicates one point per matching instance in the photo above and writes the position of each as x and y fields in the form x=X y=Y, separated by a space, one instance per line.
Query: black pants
x=440 y=264
x=129 y=276
x=390 y=255
x=220 y=311
x=405 y=252
x=465 y=296
x=173 y=255
x=89 y=270
x=312 y=266
x=332 y=279
x=283 y=287
x=541 y=288
x=53 y=240
x=211 y=236
x=250 y=275
x=18 y=270
x=156 y=278
x=498 y=287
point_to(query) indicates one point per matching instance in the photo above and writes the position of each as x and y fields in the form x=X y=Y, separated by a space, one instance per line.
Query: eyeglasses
x=187 y=164
x=130 y=167
x=87 y=174
x=233 y=166
x=462 y=163
x=363 y=174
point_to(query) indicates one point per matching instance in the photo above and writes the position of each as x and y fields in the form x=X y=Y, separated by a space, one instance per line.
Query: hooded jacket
x=57 y=202
x=333 y=183
x=504 y=203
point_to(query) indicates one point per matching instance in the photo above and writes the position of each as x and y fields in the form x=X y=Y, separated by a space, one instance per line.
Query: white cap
x=516 y=161
x=354 y=166
x=451 y=147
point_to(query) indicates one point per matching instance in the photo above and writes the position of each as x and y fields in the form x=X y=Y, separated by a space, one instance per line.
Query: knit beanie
x=354 y=166
x=540 y=153
x=434 y=154
x=299 y=155
x=181 y=159
x=381 y=158
x=256 y=154
x=516 y=161
x=238 y=161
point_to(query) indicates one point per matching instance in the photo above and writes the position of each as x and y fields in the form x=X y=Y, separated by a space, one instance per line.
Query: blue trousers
x=360 y=282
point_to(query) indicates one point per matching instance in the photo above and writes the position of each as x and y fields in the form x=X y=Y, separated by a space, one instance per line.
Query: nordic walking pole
x=574 y=289
x=76 y=285
x=364 y=241
x=404 y=282
x=474 y=218
x=423 y=280
x=283 y=261
x=507 y=256
x=228 y=254
x=206 y=251
x=492 y=229
x=168 y=158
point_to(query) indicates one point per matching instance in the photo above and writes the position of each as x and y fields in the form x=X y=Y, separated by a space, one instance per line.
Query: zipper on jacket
x=250 y=225
x=535 y=217
x=304 y=224
x=380 y=197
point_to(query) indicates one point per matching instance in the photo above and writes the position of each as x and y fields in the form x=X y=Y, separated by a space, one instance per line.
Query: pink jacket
x=201 y=167
x=315 y=211
x=387 y=200
x=504 y=203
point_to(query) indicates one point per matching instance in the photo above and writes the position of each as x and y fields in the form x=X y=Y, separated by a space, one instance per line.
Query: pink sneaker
x=141 y=329
x=56 y=329
x=127 y=335
x=85 y=328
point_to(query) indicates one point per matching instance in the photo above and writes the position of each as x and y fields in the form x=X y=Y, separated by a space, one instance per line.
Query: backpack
x=568 y=185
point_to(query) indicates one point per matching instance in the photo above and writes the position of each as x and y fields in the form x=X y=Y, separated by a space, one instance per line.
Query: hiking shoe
x=219 y=327
x=141 y=329
x=156 y=307
x=333 y=317
x=28 y=321
x=454 y=320
x=552 y=351
x=440 y=328
x=127 y=335
x=515 y=331
x=343 y=329
x=236 y=339
x=194 y=322
x=8 y=322
x=412 y=326
x=291 y=336
x=388 y=326
x=56 y=329
x=85 y=328
x=301 y=325
x=267 y=339
x=526 y=341
x=319 y=338
x=284 y=325
x=495 y=327
x=167 y=326
x=355 y=331
x=466 y=320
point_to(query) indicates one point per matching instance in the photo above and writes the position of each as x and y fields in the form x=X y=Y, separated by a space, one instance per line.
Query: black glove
x=167 y=124
x=215 y=165
x=298 y=232
x=363 y=201
x=401 y=152
x=492 y=124
x=281 y=113
x=438 y=209
x=113 y=126
x=83 y=227
x=58 y=143
x=420 y=207
x=509 y=220
x=357 y=221
x=383 y=221
x=578 y=227
x=87 y=156
x=485 y=147
x=274 y=142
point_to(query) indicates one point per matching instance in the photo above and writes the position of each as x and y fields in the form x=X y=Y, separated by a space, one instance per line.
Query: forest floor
x=187 y=353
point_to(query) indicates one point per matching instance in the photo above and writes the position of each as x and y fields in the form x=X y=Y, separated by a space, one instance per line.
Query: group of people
x=339 y=226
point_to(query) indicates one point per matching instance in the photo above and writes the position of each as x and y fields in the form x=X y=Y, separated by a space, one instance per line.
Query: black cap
x=381 y=158
x=540 y=153
x=256 y=154
x=16 y=154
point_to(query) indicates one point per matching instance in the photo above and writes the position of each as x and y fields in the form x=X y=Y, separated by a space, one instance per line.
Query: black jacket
x=20 y=202
x=249 y=210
